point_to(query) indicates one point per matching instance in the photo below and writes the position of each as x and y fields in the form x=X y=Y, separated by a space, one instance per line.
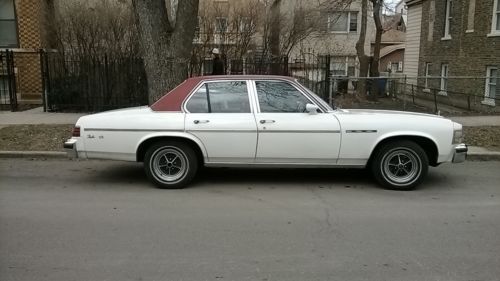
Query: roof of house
x=390 y=49
x=393 y=35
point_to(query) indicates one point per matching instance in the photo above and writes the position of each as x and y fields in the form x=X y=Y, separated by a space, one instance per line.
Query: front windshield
x=317 y=98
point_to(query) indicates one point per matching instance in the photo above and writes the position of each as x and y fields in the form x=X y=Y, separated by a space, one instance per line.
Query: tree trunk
x=374 y=69
x=275 y=36
x=364 y=60
x=166 y=45
x=374 y=66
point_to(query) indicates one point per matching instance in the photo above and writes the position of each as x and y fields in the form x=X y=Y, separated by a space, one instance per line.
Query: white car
x=265 y=121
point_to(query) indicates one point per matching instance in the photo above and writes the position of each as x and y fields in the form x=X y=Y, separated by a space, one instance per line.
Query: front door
x=289 y=134
x=220 y=115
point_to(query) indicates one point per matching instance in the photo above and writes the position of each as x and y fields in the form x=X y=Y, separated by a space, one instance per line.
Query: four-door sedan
x=265 y=121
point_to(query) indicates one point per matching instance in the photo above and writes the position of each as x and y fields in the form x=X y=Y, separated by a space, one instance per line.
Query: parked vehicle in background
x=265 y=121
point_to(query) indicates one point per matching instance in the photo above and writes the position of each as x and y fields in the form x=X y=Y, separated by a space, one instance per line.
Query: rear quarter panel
x=117 y=135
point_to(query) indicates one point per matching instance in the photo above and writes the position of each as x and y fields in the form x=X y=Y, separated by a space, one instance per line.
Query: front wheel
x=400 y=165
x=170 y=164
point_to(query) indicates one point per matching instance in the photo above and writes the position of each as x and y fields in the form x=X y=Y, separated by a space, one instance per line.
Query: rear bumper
x=460 y=153
x=70 y=148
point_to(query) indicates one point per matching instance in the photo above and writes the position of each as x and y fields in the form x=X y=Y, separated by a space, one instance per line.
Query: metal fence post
x=42 y=76
x=328 y=81
x=11 y=78
x=435 y=102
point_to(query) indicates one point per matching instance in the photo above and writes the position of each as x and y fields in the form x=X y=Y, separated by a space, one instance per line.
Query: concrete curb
x=482 y=154
x=34 y=154
x=492 y=156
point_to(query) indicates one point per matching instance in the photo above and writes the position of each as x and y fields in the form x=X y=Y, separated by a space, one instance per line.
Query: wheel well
x=143 y=147
x=427 y=145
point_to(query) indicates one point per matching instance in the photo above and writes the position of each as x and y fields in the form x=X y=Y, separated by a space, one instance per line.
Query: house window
x=495 y=21
x=444 y=78
x=343 y=66
x=353 y=22
x=394 y=66
x=343 y=22
x=447 y=24
x=428 y=66
x=470 y=18
x=196 y=37
x=8 y=24
x=221 y=25
x=491 y=85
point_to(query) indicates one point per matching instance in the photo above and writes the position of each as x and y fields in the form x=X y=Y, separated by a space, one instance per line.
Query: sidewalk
x=37 y=116
x=476 y=121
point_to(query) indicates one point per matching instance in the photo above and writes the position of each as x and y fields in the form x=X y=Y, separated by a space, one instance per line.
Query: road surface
x=96 y=220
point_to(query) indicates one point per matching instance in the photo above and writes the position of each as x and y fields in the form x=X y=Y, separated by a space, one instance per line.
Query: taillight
x=76 y=131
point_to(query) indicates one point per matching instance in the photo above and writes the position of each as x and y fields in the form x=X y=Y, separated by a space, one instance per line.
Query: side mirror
x=312 y=108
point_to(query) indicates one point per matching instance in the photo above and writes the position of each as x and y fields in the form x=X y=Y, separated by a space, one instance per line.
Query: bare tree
x=364 y=59
x=374 y=68
x=285 y=29
x=166 y=43
x=91 y=29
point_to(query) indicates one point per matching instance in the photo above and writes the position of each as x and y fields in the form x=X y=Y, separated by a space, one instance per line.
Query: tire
x=170 y=164
x=400 y=165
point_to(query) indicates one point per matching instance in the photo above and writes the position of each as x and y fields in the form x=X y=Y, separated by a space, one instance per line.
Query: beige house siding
x=412 y=47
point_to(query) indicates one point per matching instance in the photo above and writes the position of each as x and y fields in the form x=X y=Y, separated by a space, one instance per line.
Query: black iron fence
x=452 y=95
x=8 y=81
x=92 y=84
x=98 y=83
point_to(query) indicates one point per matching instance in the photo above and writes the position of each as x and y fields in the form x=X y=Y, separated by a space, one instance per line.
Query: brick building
x=21 y=26
x=456 y=48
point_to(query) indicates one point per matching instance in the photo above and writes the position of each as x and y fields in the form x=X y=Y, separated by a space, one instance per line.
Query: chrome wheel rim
x=401 y=166
x=169 y=164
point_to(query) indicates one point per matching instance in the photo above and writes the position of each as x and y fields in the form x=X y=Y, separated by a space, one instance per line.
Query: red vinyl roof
x=172 y=101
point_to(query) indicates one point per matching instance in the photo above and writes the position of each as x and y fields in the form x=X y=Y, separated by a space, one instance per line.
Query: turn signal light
x=76 y=131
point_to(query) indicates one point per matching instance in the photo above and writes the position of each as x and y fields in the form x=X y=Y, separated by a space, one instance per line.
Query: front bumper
x=460 y=153
x=70 y=147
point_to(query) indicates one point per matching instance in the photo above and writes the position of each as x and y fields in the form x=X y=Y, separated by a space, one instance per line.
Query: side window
x=278 y=96
x=220 y=97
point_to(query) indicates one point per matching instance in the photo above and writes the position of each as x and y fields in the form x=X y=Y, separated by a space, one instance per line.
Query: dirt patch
x=52 y=137
x=487 y=136
x=34 y=137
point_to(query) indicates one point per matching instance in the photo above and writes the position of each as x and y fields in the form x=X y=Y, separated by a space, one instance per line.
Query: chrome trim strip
x=301 y=131
x=129 y=130
x=280 y=165
x=360 y=131
x=222 y=131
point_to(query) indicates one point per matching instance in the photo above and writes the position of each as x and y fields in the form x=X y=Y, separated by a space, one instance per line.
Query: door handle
x=200 y=121
x=266 y=121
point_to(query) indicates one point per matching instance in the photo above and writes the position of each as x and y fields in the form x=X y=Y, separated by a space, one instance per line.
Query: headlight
x=457 y=136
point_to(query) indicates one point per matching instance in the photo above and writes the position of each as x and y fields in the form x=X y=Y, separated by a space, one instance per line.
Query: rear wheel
x=170 y=164
x=400 y=165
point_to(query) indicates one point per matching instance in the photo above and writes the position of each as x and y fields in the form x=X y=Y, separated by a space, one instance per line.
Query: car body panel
x=343 y=138
x=297 y=138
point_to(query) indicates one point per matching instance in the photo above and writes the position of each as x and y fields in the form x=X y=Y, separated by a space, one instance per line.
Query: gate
x=8 y=83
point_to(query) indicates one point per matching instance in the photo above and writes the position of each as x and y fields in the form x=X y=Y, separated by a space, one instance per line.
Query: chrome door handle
x=266 y=121
x=200 y=121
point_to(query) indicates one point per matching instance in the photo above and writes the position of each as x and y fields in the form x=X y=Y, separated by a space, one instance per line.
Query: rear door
x=219 y=113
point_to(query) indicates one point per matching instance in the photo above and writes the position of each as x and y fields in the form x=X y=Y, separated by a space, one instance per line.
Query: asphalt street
x=66 y=220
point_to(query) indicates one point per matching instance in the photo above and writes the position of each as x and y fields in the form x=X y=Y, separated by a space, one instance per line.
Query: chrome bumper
x=70 y=147
x=460 y=153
